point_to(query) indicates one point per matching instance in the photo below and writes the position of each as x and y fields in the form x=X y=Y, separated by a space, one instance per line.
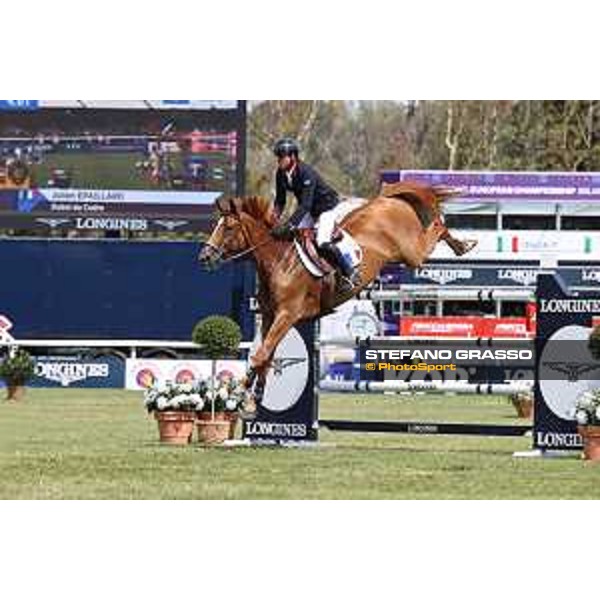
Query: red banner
x=464 y=327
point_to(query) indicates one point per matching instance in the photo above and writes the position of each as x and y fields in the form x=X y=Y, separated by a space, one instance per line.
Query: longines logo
x=111 y=223
x=573 y=370
x=523 y=276
x=171 y=225
x=67 y=373
x=290 y=430
x=280 y=364
x=570 y=305
x=288 y=376
x=54 y=223
x=556 y=439
x=443 y=276
x=590 y=275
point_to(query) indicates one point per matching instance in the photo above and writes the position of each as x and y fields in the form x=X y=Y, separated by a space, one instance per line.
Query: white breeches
x=324 y=226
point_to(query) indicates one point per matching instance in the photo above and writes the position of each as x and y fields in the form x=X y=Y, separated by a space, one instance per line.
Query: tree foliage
x=351 y=142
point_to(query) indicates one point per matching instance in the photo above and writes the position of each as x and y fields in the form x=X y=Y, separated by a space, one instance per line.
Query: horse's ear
x=224 y=206
x=237 y=206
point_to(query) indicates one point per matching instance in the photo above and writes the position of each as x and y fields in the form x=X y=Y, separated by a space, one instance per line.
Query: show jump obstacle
x=290 y=410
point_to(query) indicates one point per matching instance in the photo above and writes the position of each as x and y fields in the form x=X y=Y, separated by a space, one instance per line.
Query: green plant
x=219 y=336
x=18 y=368
x=173 y=397
x=221 y=394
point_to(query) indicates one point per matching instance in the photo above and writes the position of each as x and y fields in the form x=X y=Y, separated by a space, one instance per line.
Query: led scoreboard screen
x=134 y=165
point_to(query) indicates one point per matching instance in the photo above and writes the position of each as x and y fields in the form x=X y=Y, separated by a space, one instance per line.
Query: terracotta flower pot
x=524 y=407
x=175 y=428
x=15 y=393
x=212 y=432
x=233 y=418
x=591 y=441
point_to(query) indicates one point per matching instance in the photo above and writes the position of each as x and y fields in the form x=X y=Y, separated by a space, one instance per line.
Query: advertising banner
x=474 y=327
x=75 y=372
x=478 y=186
x=566 y=367
x=142 y=374
x=490 y=274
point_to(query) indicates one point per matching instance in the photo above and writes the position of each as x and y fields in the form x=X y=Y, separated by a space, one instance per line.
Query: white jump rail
x=421 y=340
x=431 y=387
x=477 y=294
x=131 y=345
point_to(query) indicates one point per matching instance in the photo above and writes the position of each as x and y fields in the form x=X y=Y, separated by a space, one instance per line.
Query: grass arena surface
x=92 y=444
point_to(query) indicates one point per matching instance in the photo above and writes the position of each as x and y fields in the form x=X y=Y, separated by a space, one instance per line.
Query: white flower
x=185 y=388
x=177 y=401
x=223 y=393
x=197 y=401
x=585 y=401
x=581 y=417
x=161 y=403
x=598 y=413
x=208 y=396
x=231 y=404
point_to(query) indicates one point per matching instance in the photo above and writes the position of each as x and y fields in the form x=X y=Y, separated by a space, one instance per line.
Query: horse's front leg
x=261 y=361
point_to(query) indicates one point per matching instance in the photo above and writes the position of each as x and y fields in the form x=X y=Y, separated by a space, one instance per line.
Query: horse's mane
x=260 y=209
x=257 y=207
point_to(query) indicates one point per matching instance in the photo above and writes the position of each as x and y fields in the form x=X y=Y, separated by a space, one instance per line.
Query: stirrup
x=347 y=284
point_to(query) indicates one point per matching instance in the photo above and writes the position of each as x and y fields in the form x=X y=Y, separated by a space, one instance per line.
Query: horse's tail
x=426 y=200
x=444 y=193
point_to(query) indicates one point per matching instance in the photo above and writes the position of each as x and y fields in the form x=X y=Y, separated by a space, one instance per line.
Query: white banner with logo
x=84 y=197
x=141 y=374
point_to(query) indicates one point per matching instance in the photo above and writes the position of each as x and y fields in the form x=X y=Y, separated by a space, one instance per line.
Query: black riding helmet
x=286 y=147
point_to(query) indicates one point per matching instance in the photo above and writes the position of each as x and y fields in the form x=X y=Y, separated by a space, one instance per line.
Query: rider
x=316 y=201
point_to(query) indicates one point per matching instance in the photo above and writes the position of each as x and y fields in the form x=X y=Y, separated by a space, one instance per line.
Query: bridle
x=239 y=255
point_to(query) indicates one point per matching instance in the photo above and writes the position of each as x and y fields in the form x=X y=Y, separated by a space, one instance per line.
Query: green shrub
x=219 y=336
x=17 y=369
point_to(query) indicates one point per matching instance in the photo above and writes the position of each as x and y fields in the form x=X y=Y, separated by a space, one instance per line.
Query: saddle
x=307 y=250
x=314 y=263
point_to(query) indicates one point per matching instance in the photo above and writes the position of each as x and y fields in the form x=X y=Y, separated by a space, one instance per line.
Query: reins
x=249 y=250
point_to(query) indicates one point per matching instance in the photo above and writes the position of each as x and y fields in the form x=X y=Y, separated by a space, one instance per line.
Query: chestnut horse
x=403 y=225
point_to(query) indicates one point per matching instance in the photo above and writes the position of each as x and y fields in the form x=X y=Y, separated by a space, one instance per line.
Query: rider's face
x=285 y=162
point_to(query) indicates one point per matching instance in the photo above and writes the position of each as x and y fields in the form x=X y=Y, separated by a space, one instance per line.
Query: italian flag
x=514 y=245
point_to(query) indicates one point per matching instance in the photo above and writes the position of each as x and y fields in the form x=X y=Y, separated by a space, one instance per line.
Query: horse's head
x=240 y=219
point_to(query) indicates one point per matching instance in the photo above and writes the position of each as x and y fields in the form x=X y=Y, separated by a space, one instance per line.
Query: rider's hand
x=282 y=232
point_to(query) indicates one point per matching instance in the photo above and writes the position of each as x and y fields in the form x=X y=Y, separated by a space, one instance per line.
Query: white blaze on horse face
x=215 y=234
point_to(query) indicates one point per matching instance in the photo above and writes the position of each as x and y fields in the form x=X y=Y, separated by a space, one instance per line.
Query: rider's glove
x=282 y=232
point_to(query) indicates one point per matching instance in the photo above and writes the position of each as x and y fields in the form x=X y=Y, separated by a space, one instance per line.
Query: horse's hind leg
x=459 y=247
x=422 y=246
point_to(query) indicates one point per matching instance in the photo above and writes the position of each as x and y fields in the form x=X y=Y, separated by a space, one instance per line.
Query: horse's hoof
x=247 y=416
x=249 y=409
x=469 y=245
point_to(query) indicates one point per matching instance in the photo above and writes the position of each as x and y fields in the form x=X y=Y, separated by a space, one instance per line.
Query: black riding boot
x=332 y=254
